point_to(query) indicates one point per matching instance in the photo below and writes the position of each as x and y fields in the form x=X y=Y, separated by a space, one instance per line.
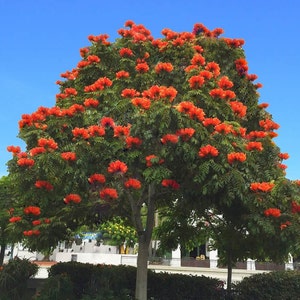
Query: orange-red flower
x=198 y=59
x=97 y=178
x=208 y=150
x=93 y=59
x=132 y=141
x=211 y=121
x=15 y=219
x=133 y=183
x=98 y=85
x=36 y=222
x=34 y=210
x=273 y=212
x=196 y=81
x=141 y=102
x=108 y=193
x=95 y=130
x=268 y=124
x=153 y=159
x=25 y=162
x=238 y=108
x=171 y=138
x=283 y=155
x=121 y=131
x=117 y=167
x=107 y=122
x=90 y=102
x=185 y=133
x=142 y=67
x=236 y=156
x=214 y=68
x=122 y=74
x=31 y=232
x=224 y=128
x=125 y=52
x=257 y=134
x=167 y=67
x=49 y=144
x=44 y=184
x=80 y=132
x=70 y=91
x=261 y=186
x=225 y=83
x=14 y=149
x=241 y=66
x=69 y=156
x=130 y=93
x=72 y=198
x=254 y=146
x=170 y=183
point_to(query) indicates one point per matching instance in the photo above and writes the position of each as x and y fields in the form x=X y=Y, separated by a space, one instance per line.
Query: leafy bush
x=13 y=278
x=107 y=282
x=277 y=285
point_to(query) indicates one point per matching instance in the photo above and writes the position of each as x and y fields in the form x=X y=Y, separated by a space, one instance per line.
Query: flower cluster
x=97 y=178
x=69 y=156
x=108 y=193
x=236 y=156
x=211 y=122
x=117 y=167
x=132 y=183
x=185 y=133
x=141 y=102
x=44 y=184
x=31 y=232
x=225 y=83
x=25 y=162
x=167 y=67
x=14 y=149
x=170 y=183
x=91 y=102
x=268 y=124
x=36 y=222
x=171 y=138
x=122 y=74
x=273 y=212
x=98 y=85
x=132 y=141
x=49 y=144
x=208 y=150
x=262 y=186
x=15 y=219
x=283 y=155
x=238 y=108
x=190 y=109
x=254 y=146
x=152 y=159
x=72 y=198
x=33 y=210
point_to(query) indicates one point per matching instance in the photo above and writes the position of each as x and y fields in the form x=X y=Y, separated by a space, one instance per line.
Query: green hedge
x=277 y=285
x=73 y=280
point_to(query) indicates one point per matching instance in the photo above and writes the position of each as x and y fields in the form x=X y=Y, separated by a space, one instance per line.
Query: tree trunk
x=229 y=272
x=142 y=270
x=2 y=253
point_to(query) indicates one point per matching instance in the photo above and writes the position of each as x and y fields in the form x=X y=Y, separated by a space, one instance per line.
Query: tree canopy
x=145 y=124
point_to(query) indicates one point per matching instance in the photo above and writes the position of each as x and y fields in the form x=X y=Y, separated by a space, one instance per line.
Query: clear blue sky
x=40 y=39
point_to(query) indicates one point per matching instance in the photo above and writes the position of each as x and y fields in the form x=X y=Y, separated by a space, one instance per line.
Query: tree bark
x=229 y=272
x=2 y=253
x=142 y=271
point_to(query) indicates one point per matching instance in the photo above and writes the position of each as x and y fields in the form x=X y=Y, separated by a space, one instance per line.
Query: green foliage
x=277 y=285
x=117 y=282
x=13 y=278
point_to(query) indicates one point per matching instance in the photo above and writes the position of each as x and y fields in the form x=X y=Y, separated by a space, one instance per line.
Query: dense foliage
x=142 y=124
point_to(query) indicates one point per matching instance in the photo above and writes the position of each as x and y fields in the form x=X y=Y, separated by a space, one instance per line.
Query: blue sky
x=40 y=39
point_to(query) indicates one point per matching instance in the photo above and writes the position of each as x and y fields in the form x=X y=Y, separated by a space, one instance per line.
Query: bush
x=277 y=285
x=13 y=279
x=107 y=282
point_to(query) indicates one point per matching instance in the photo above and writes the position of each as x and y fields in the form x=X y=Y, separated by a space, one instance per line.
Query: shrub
x=108 y=282
x=13 y=278
x=277 y=285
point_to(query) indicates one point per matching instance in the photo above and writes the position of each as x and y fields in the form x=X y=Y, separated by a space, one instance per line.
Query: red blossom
x=170 y=183
x=185 y=133
x=69 y=156
x=108 y=193
x=196 y=81
x=132 y=183
x=167 y=67
x=107 y=122
x=72 y=198
x=122 y=74
x=95 y=130
x=25 y=162
x=125 y=52
x=273 y=212
x=117 y=167
x=93 y=59
x=142 y=67
x=14 y=149
x=15 y=219
x=34 y=210
x=98 y=85
x=90 y=102
x=153 y=159
x=121 y=131
x=254 y=146
x=129 y=93
x=261 y=186
x=36 y=222
x=80 y=132
x=132 y=141
x=225 y=83
x=141 y=102
x=31 y=232
x=224 y=128
x=48 y=144
x=268 y=124
x=214 y=68
x=97 y=178
x=198 y=59
x=44 y=184
x=211 y=122
x=37 y=150
x=236 y=156
x=208 y=150
x=283 y=155
x=171 y=138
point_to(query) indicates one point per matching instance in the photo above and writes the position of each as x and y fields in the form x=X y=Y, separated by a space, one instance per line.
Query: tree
x=138 y=125
x=6 y=211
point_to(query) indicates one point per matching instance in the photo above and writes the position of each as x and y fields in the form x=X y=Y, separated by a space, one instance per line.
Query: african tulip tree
x=138 y=123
